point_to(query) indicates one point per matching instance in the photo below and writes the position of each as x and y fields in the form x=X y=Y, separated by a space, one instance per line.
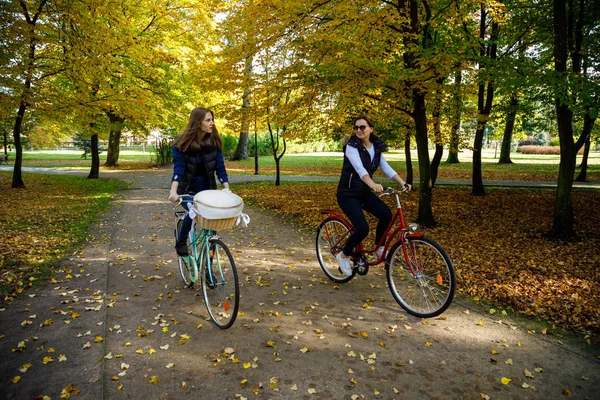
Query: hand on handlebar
x=407 y=187
x=173 y=197
x=377 y=188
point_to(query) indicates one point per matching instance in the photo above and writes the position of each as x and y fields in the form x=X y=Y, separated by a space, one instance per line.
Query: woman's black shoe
x=182 y=249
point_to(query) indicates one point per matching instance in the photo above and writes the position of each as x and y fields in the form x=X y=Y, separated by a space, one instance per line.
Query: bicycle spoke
x=331 y=237
x=425 y=287
x=220 y=285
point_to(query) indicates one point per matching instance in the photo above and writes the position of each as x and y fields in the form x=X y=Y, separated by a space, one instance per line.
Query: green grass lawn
x=525 y=167
x=73 y=159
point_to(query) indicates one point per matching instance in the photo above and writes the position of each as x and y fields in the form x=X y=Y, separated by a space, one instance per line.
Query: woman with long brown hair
x=197 y=157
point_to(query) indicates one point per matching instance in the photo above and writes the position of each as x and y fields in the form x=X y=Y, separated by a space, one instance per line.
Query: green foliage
x=263 y=144
x=83 y=143
x=229 y=144
x=163 y=152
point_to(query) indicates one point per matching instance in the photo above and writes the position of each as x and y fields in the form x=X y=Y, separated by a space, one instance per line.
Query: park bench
x=4 y=158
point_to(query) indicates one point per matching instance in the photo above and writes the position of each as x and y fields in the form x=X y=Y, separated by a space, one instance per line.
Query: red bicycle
x=419 y=272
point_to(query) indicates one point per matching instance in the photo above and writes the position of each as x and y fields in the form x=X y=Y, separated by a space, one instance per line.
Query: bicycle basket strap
x=243 y=219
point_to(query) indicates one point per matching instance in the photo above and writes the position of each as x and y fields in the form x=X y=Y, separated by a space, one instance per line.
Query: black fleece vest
x=350 y=183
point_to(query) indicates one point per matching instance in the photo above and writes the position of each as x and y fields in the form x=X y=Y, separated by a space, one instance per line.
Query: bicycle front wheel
x=425 y=288
x=332 y=235
x=187 y=267
x=220 y=285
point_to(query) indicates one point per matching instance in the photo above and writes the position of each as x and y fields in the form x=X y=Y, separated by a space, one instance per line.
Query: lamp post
x=255 y=149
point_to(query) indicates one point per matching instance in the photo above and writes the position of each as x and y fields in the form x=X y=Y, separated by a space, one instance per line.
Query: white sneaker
x=344 y=263
x=379 y=252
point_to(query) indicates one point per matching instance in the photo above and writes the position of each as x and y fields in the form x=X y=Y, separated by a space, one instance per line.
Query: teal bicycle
x=210 y=263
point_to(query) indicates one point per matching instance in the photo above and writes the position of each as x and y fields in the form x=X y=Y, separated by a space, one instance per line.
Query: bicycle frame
x=199 y=239
x=398 y=234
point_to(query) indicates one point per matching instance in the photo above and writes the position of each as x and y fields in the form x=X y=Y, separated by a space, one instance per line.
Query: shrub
x=229 y=145
x=554 y=142
x=541 y=150
x=163 y=152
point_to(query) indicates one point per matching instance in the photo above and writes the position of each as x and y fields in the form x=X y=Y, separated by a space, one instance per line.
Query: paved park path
x=118 y=324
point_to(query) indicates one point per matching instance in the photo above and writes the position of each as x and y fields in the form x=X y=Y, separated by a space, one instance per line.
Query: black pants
x=353 y=208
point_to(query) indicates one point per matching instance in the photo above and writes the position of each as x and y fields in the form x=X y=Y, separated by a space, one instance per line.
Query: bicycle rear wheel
x=187 y=268
x=428 y=289
x=332 y=235
x=220 y=285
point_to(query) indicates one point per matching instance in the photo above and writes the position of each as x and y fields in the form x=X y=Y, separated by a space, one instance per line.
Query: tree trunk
x=562 y=225
x=485 y=99
x=241 y=153
x=478 y=188
x=582 y=176
x=508 y=131
x=5 y=132
x=409 y=168
x=425 y=215
x=455 y=131
x=275 y=148
x=435 y=162
x=437 y=133
x=17 y=180
x=114 y=139
x=95 y=169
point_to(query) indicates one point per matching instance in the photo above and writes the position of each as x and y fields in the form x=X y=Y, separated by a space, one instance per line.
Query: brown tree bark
x=241 y=152
x=425 y=215
x=409 y=167
x=508 y=131
x=456 y=120
x=582 y=176
x=95 y=168
x=114 y=139
x=17 y=178
x=437 y=135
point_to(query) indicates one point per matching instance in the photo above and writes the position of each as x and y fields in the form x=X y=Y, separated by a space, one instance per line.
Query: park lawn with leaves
x=497 y=243
x=128 y=159
x=524 y=168
x=44 y=222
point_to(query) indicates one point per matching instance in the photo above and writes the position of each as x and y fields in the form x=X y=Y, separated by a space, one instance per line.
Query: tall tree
x=456 y=118
x=349 y=57
x=575 y=31
x=26 y=30
x=488 y=36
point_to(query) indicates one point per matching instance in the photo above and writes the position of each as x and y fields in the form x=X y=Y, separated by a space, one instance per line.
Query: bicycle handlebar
x=181 y=197
x=388 y=191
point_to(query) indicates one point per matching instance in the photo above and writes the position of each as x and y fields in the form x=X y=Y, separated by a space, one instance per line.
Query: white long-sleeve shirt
x=354 y=157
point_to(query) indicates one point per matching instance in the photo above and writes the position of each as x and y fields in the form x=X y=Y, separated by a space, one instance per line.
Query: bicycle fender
x=415 y=235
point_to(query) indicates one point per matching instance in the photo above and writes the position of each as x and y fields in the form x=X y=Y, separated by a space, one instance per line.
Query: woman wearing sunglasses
x=357 y=190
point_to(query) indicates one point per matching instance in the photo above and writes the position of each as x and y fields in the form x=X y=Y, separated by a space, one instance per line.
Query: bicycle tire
x=220 y=286
x=329 y=233
x=186 y=264
x=429 y=292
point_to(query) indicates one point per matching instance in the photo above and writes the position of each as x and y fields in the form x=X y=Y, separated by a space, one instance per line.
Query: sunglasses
x=361 y=127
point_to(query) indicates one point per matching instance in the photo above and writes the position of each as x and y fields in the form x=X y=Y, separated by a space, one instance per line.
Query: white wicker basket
x=217 y=209
x=215 y=224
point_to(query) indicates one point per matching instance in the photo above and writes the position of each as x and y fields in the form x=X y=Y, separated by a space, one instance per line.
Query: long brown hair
x=193 y=138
